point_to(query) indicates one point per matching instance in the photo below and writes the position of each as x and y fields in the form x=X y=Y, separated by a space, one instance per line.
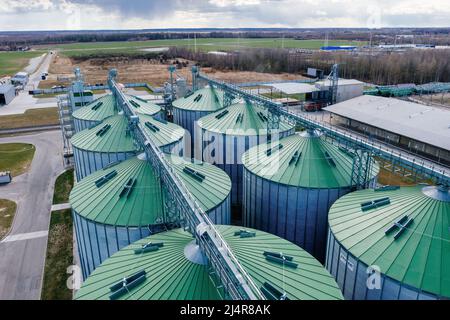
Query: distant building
x=414 y=127
x=5 y=177
x=347 y=88
x=7 y=93
x=338 y=48
x=20 y=79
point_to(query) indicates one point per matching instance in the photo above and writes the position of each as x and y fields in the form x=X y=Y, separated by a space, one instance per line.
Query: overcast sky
x=143 y=14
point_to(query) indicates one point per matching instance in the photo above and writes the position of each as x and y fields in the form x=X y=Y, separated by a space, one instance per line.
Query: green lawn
x=30 y=118
x=59 y=257
x=209 y=44
x=7 y=212
x=63 y=186
x=16 y=157
x=14 y=61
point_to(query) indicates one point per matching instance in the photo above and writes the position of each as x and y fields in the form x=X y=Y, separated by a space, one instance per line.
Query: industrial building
x=289 y=186
x=20 y=79
x=170 y=266
x=225 y=135
x=346 y=88
x=7 y=93
x=391 y=243
x=414 y=127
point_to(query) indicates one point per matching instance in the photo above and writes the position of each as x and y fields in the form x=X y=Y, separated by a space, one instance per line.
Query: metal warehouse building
x=7 y=93
x=391 y=243
x=170 y=266
x=347 y=88
x=290 y=186
x=417 y=128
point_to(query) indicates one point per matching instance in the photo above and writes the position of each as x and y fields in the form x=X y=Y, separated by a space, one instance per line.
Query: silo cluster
x=170 y=266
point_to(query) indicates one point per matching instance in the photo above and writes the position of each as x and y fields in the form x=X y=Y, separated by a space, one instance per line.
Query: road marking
x=25 y=236
x=62 y=206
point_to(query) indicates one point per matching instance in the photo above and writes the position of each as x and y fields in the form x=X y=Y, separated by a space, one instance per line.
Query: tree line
x=383 y=68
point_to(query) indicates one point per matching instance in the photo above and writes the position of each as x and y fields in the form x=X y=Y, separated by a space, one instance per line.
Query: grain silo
x=143 y=106
x=108 y=142
x=197 y=104
x=391 y=243
x=225 y=135
x=99 y=209
x=170 y=266
x=106 y=106
x=114 y=207
x=209 y=185
x=289 y=187
x=94 y=113
x=168 y=136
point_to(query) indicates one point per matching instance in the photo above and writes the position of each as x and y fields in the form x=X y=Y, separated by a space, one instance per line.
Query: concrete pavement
x=23 y=251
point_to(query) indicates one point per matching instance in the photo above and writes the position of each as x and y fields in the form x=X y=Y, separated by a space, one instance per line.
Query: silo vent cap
x=401 y=225
x=126 y=284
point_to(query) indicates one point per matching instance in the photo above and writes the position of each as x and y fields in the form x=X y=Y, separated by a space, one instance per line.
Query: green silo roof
x=206 y=99
x=302 y=162
x=109 y=204
x=420 y=256
x=170 y=275
x=143 y=106
x=309 y=281
x=161 y=132
x=210 y=192
x=98 y=109
x=239 y=119
x=114 y=139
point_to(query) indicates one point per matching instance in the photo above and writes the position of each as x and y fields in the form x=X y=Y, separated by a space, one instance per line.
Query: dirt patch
x=148 y=70
x=7 y=212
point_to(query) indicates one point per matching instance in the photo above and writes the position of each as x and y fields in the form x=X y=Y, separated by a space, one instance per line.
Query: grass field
x=12 y=62
x=16 y=157
x=59 y=257
x=7 y=212
x=210 y=44
x=63 y=186
x=30 y=118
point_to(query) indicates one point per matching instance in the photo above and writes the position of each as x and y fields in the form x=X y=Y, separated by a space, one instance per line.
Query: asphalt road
x=22 y=252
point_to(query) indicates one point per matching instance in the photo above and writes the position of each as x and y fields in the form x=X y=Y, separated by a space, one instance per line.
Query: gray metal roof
x=6 y=88
x=419 y=122
x=294 y=87
x=341 y=82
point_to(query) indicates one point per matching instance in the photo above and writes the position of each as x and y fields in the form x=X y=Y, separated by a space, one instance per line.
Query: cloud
x=118 y=14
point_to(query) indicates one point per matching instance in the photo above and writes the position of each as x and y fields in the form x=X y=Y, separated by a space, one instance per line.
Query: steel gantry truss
x=364 y=147
x=234 y=280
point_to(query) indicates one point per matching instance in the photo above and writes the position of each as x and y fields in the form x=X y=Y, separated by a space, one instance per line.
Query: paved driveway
x=22 y=252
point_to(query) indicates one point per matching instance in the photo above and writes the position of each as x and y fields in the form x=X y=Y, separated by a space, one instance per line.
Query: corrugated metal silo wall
x=352 y=276
x=97 y=242
x=228 y=155
x=176 y=148
x=222 y=213
x=87 y=162
x=187 y=119
x=83 y=124
x=299 y=215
